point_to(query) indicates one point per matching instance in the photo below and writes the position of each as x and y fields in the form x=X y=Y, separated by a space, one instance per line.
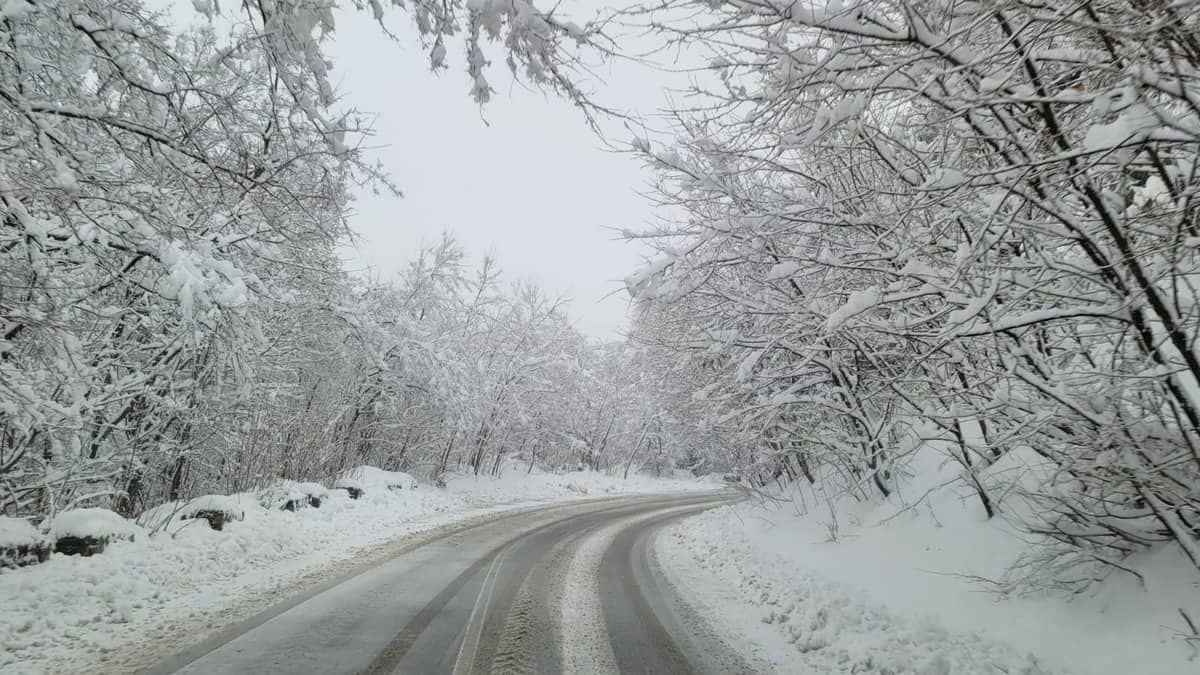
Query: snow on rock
x=313 y=490
x=291 y=495
x=233 y=505
x=173 y=516
x=366 y=477
x=18 y=532
x=94 y=523
x=21 y=543
x=349 y=484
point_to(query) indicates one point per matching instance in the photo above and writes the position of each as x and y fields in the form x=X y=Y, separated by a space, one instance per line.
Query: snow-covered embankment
x=906 y=586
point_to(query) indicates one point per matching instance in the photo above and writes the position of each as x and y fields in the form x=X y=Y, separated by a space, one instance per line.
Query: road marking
x=474 y=630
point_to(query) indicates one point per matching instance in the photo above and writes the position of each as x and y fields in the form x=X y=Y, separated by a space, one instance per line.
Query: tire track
x=497 y=597
x=629 y=619
x=513 y=652
x=533 y=631
x=588 y=643
x=522 y=630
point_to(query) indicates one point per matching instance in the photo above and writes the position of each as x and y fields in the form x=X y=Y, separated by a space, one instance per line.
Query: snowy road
x=573 y=589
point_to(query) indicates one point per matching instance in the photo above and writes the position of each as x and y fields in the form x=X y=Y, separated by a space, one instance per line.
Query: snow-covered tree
x=955 y=227
x=172 y=309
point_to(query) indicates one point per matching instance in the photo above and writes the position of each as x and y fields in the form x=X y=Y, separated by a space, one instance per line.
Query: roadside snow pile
x=517 y=485
x=288 y=495
x=232 y=505
x=173 y=516
x=364 y=478
x=21 y=543
x=815 y=625
x=92 y=523
x=17 y=532
x=882 y=580
x=185 y=580
x=314 y=492
x=353 y=486
x=216 y=510
x=87 y=532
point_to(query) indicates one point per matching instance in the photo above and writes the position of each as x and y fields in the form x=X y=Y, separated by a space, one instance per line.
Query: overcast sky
x=533 y=185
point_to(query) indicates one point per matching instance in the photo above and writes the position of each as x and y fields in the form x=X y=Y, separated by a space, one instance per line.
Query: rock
x=88 y=531
x=218 y=510
x=369 y=477
x=292 y=496
x=85 y=546
x=24 y=554
x=21 y=543
x=353 y=492
x=216 y=519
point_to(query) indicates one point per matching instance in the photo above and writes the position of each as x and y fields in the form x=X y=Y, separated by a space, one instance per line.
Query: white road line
x=474 y=629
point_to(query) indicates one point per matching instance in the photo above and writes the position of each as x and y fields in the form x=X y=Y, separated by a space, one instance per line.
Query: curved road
x=573 y=588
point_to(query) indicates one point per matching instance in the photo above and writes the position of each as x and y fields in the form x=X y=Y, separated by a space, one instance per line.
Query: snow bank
x=233 y=505
x=94 y=523
x=313 y=490
x=366 y=477
x=16 y=532
x=518 y=485
x=288 y=494
x=171 y=516
x=349 y=484
x=175 y=586
x=815 y=624
x=884 y=579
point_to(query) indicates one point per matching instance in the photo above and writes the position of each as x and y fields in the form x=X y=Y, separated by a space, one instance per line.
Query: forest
x=892 y=229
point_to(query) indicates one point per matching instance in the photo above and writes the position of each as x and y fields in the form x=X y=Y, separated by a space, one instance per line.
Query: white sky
x=533 y=185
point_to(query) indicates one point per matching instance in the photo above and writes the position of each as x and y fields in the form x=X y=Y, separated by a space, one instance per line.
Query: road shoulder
x=775 y=612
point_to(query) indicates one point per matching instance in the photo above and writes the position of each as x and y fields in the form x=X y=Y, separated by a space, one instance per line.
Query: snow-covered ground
x=899 y=591
x=169 y=590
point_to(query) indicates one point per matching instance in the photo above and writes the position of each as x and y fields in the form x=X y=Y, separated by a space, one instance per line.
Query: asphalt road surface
x=574 y=588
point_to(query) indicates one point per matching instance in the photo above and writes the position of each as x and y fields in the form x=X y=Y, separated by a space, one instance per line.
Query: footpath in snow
x=161 y=593
x=895 y=594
